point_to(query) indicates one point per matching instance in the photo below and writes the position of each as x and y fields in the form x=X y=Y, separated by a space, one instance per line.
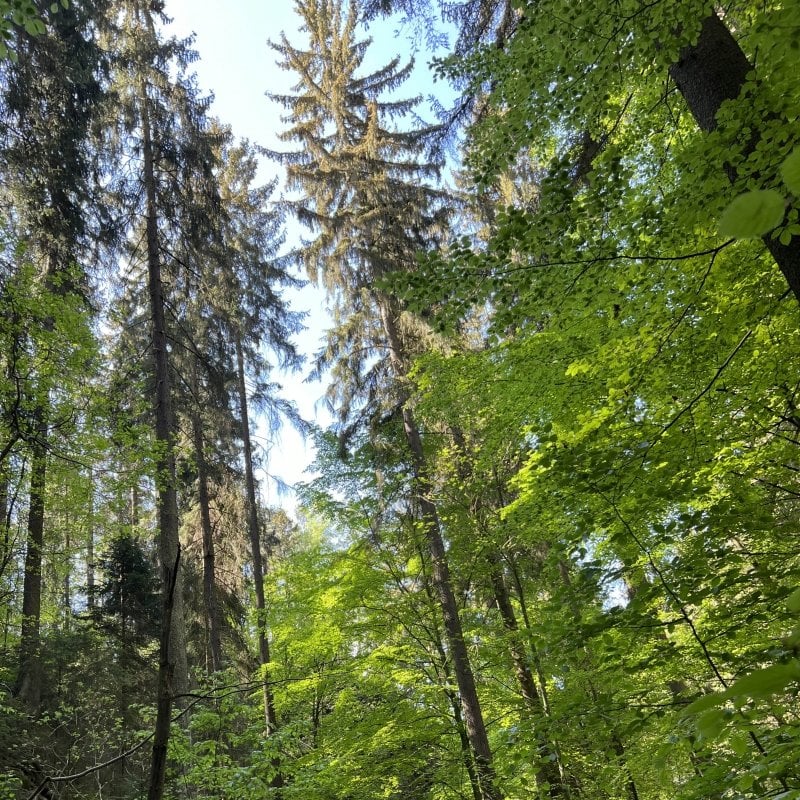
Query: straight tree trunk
x=708 y=73
x=209 y=559
x=452 y=696
x=270 y=719
x=67 y=576
x=5 y=556
x=442 y=584
x=134 y=512
x=172 y=654
x=29 y=678
x=90 y=587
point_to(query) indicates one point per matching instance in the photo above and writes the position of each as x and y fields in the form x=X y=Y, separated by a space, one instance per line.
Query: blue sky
x=238 y=66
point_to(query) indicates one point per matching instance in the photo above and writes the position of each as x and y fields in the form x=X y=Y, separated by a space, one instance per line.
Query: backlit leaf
x=752 y=214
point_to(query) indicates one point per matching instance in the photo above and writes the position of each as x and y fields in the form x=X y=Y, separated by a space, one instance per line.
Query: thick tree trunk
x=270 y=718
x=708 y=73
x=172 y=654
x=209 y=559
x=442 y=584
x=29 y=678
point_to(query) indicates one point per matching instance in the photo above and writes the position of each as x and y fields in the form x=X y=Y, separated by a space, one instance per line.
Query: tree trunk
x=90 y=587
x=708 y=73
x=29 y=678
x=67 y=575
x=172 y=655
x=549 y=772
x=616 y=741
x=270 y=718
x=209 y=560
x=446 y=679
x=465 y=680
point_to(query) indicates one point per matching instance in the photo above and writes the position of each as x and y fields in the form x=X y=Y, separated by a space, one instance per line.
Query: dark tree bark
x=707 y=74
x=90 y=583
x=209 y=558
x=67 y=576
x=452 y=696
x=270 y=718
x=172 y=656
x=442 y=584
x=549 y=771
x=29 y=678
x=210 y=603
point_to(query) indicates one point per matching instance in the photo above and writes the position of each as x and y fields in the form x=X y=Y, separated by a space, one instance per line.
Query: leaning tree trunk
x=270 y=718
x=452 y=696
x=442 y=584
x=172 y=654
x=708 y=73
x=550 y=770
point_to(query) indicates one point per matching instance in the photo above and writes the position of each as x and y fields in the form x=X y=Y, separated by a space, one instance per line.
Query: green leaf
x=765 y=682
x=740 y=745
x=752 y=214
x=705 y=702
x=711 y=723
x=793 y=603
x=790 y=171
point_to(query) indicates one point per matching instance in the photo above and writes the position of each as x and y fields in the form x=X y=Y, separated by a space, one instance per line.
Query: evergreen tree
x=365 y=192
x=164 y=123
x=252 y=274
x=51 y=99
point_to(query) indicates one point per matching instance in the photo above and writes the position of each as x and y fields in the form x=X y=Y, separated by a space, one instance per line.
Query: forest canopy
x=549 y=545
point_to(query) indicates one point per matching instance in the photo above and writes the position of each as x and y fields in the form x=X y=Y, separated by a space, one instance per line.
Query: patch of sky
x=238 y=67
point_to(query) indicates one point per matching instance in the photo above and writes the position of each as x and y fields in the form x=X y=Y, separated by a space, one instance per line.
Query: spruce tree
x=50 y=102
x=165 y=128
x=259 y=322
x=366 y=192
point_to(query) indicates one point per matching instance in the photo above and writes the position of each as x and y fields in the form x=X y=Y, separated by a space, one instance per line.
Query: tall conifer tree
x=50 y=105
x=165 y=126
x=366 y=193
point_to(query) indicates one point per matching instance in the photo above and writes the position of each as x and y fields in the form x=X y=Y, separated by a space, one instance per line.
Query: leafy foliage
x=591 y=351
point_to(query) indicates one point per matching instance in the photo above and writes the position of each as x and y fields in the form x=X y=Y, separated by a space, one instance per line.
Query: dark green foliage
x=128 y=593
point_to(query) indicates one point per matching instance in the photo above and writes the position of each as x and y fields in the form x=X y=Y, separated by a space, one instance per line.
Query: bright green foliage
x=610 y=425
x=753 y=214
x=22 y=14
x=790 y=172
